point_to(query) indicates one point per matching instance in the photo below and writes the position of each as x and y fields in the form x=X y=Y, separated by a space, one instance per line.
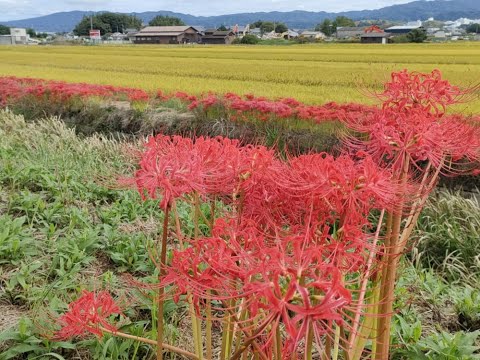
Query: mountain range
x=438 y=9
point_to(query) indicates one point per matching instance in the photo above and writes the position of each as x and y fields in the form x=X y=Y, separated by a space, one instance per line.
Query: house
x=256 y=31
x=313 y=35
x=167 y=35
x=375 y=38
x=290 y=34
x=346 y=32
x=217 y=37
x=118 y=36
x=18 y=36
x=440 y=35
x=240 y=31
x=403 y=29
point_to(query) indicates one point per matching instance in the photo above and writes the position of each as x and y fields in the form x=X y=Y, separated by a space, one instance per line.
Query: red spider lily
x=168 y=169
x=87 y=314
x=412 y=125
x=414 y=90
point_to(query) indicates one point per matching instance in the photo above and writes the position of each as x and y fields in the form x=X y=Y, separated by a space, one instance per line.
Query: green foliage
x=31 y=33
x=265 y=26
x=473 y=28
x=342 y=21
x=222 y=28
x=447 y=235
x=445 y=346
x=281 y=28
x=417 y=36
x=329 y=27
x=400 y=39
x=467 y=307
x=326 y=26
x=4 y=30
x=250 y=39
x=62 y=230
x=161 y=20
x=106 y=22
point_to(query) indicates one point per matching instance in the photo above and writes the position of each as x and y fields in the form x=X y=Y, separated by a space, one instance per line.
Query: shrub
x=250 y=39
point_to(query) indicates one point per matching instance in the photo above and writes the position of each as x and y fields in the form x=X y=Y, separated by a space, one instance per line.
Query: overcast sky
x=22 y=9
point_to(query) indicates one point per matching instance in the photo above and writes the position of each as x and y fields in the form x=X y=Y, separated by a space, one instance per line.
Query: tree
x=256 y=24
x=329 y=27
x=106 y=23
x=342 y=21
x=249 y=39
x=281 y=28
x=32 y=33
x=161 y=20
x=222 y=28
x=267 y=26
x=473 y=28
x=4 y=30
x=326 y=27
x=417 y=36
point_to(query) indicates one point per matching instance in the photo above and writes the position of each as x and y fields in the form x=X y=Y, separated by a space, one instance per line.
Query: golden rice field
x=310 y=73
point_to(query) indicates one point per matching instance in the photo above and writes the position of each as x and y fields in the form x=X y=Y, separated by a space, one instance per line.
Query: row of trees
x=107 y=23
x=269 y=26
x=329 y=27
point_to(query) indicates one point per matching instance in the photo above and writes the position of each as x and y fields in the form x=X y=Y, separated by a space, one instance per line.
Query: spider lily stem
x=161 y=290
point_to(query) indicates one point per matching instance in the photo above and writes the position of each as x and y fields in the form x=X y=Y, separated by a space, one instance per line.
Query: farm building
x=216 y=37
x=167 y=35
x=290 y=34
x=349 y=32
x=313 y=35
x=375 y=38
x=18 y=36
x=403 y=29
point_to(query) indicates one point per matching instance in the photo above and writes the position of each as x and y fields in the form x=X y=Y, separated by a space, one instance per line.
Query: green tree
x=4 y=30
x=417 y=36
x=326 y=27
x=161 y=20
x=256 y=24
x=342 y=21
x=222 y=28
x=107 y=23
x=473 y=28
x=267 y=26
x=281 y=28
x=32 y=33
x=249 y=39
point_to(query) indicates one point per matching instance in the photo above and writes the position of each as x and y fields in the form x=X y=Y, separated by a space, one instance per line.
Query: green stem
x=161 y=290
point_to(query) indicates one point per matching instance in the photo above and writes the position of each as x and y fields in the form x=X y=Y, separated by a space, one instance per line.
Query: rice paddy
x=310 y=73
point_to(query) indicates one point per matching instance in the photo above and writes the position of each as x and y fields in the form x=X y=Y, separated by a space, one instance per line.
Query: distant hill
x=438 y=9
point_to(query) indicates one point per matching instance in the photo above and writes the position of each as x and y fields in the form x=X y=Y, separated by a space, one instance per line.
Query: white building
x=18 y=36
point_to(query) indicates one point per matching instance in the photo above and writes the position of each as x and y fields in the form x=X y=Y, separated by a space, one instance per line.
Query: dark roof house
x=349 y=32
x=167 y=35
x=403 y=29
x=212 y=36
x=375 y=38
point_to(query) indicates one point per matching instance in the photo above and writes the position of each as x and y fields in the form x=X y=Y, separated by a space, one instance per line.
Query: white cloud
x=21 y=9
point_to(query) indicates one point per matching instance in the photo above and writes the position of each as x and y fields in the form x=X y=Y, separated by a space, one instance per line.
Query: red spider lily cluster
x=13 y=88
x=238 y=107
x=412 y=125
x=250 y=107
x=87 y=315
x=292 y=252
x=295 y=229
